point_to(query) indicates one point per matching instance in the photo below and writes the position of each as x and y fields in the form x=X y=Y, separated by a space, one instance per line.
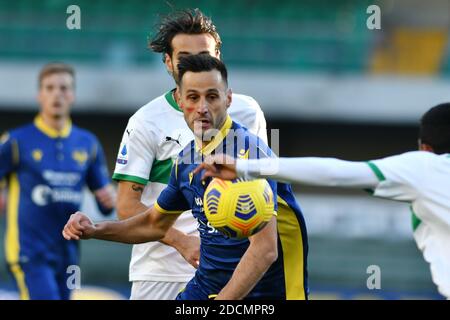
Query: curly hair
x=189 y=21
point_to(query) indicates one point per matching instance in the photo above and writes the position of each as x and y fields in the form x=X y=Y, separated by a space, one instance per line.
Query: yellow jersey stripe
x=12 y=245
x=161 y=210
x=291 y=239
x=211 y=146
x=20 y=279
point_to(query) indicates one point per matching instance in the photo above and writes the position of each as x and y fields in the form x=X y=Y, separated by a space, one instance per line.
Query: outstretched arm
x=309 y=170
x=129 y=204
x=150 y=225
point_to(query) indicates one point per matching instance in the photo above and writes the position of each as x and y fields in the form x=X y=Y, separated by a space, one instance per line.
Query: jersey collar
x=216 y=140
x=49 y=131
x=171 y=100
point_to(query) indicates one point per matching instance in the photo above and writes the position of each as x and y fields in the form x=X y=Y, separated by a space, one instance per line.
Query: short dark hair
x=55 y=67
x=188 y=21
x=435 y=128
x=200 y=63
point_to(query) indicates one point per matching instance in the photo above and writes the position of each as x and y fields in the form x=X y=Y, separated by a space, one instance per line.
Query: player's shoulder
x=418 y=155
x=21 y=132
x=244 y=102
x=410 y=163
x=154 y=110
x=254 y=142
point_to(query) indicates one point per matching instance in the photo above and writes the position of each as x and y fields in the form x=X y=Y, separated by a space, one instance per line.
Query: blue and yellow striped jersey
x=47 y=171
x=287 y=277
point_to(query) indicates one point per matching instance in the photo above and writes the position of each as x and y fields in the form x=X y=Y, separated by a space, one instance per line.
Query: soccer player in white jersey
x=421 y=178
x=154 y=136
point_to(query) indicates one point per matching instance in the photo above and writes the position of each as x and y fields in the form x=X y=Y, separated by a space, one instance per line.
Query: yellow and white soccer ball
x=238 y=208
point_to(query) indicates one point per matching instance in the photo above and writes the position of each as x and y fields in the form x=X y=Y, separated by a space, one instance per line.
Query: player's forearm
x=173 y=238
x=311 y=171
x=132 y=207
x=251 y=268
x=260 y=255
x=137 y=229
x=127 y=208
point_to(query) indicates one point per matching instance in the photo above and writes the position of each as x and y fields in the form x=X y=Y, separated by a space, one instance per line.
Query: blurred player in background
x=419 y=177
x=154 y=136
x=48 y=163
x=268 y=265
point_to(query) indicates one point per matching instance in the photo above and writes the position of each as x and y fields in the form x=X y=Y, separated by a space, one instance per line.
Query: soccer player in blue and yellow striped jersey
x=268 y=265
x=47 y=164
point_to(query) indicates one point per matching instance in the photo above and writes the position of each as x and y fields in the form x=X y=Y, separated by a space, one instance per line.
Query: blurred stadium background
x=329 y=84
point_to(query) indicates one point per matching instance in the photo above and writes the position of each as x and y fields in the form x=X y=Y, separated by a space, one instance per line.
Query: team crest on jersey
x=122 y=158
x=80 y=157
x=37 y=155
x=243 y=154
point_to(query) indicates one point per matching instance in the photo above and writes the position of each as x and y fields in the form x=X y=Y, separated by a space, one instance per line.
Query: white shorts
x=156 y=290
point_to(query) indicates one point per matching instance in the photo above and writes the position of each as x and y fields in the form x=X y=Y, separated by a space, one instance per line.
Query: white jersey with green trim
x=418 y=177
x=423 y=179
x=154 y=136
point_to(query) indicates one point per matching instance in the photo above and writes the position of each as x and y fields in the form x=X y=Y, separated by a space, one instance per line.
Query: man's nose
x=202 y=106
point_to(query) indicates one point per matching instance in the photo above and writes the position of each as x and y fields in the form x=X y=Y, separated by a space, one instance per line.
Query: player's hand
x=218 y=166
x=78 y=227
x=106 y=196
x=189 y=248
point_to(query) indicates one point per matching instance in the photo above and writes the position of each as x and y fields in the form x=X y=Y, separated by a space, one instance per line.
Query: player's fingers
x=199 y=168
x=76 y=225
x=69 y=235
x=74 y=230
x=66 y=236
x=208 y=174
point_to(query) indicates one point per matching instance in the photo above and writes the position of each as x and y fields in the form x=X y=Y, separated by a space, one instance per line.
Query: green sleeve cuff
x=376 y=170
x=125 y=177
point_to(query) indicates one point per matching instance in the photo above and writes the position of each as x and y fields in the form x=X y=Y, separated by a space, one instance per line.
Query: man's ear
x=177 y=96
x=168 y=63
x=229 y=97
x=425 y=147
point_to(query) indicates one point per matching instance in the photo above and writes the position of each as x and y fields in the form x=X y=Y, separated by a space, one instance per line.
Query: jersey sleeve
x=136 y=153
x=97 y=176
x=8 y=154
x=171 y=200
x=400 y=176
x=246 y=111
x=258 y=149
x=261 y=125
